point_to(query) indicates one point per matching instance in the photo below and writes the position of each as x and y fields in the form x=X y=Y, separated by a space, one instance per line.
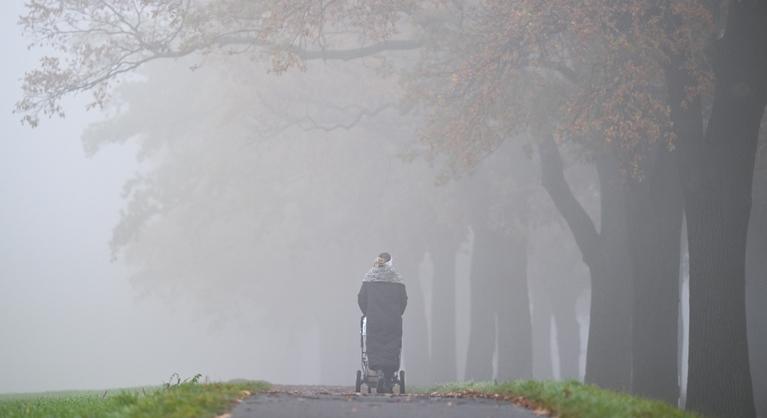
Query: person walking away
x=382 y=299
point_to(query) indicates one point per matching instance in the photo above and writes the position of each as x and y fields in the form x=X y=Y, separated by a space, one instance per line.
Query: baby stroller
x=371 y=377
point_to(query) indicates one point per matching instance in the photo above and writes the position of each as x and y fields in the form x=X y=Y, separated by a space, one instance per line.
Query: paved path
x=336 y=402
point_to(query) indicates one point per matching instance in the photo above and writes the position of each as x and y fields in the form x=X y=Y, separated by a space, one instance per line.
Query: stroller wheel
x=401 y=382
x=358 y=383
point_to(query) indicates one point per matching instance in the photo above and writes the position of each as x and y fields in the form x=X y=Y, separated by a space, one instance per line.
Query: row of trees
x=346 y=193
x=665 y=98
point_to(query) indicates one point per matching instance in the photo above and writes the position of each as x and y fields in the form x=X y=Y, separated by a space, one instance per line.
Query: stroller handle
x=362 y=333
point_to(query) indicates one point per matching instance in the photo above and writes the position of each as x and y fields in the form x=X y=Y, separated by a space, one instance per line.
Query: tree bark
x=568 y=332
x=719 y=375
x=556 y=284
x=717 y=177
x=543 y=368
x=608 y=361
x=500 y=307
x=479 y=358
x=655 y=213
x=415 y=343
x=756 y=291
x=513 y=322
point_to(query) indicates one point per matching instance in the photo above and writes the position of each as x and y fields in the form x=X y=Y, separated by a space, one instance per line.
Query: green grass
x=569 y=399
x=181 y=400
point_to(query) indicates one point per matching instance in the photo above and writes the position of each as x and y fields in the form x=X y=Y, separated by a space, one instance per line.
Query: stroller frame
x=373 y=378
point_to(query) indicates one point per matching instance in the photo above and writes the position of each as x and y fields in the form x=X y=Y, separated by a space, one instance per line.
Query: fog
x=69 y=317
x=218 y=213
x=291 y=218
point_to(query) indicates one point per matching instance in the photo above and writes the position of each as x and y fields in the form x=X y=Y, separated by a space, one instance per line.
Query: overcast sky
x=69 y=318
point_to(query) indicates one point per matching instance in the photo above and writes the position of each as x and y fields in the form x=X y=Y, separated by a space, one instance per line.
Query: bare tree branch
x=310 y=124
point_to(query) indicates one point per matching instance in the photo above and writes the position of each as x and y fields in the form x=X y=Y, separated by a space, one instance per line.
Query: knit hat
x=382 y=259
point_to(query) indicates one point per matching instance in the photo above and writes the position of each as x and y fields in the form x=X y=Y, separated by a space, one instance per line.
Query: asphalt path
x=337 y=402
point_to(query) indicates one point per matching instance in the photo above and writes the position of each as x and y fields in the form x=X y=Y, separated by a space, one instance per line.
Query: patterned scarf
x=382 y=273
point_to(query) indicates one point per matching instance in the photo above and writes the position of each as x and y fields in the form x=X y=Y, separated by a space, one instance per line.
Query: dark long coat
x=383 y=303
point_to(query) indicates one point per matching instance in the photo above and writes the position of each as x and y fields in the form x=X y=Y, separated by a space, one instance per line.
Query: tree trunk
x=655 y=213
x=443 y=338
x=717 y=176
x=719 y=376
x=756 y=291
x=542 y=317
x=568 y=334
x=608 y=361
x=556 y=284
x=415 y=343
x=479 y=359
x=514 y=348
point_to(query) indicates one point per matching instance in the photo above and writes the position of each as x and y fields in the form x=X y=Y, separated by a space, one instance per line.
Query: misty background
x=69 y=318
x=217 y=218
x=74 y=318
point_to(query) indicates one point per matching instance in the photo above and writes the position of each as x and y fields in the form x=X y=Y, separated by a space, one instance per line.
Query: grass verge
x=181 y=400
x=568 y=399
